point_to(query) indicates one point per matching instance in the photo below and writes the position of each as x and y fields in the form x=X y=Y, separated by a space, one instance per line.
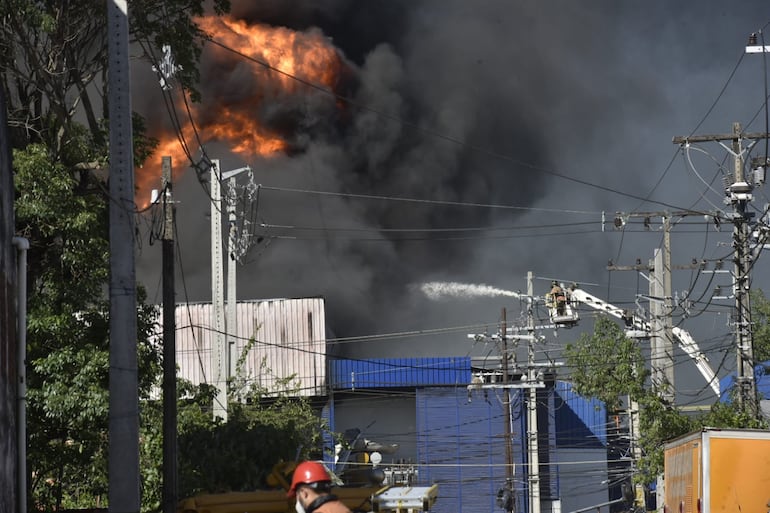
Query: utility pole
x=739 y=195
x=636 y=448
x=661 y=328
x=169 y=345
x=509 y=503
x=224 y=322
x=661 y=318
x=232 y=296
x=667 y=342
x=233 y=254
x=124 y=494
x=528 y=381
x=9 y=471
x=219 y=350
x=661 y=300
x=532 y=431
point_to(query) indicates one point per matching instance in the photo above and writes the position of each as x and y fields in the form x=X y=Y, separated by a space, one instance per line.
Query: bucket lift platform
x=405 y=499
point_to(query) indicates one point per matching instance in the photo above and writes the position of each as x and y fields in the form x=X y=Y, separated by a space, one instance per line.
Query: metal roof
x=399 y=372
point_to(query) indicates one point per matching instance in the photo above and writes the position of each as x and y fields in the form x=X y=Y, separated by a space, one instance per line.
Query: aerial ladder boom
x=639 y=328
x=689 y=346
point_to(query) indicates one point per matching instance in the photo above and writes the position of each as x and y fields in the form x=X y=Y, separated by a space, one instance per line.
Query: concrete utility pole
x=739 y=195
x=8 y=349
x=220 y=364
x=224 y=322
x=532 y=431
x=232 y=261
x=667 y=342
x=636 y=448
x=661 y=314
x=124 y=494
x=169 y=345
x=661 y=301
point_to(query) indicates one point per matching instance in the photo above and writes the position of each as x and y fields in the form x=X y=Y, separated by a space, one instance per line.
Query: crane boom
x=637 y=325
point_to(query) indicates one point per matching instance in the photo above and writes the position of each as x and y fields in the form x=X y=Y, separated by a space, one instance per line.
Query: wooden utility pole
x=169 y=344
x=739 y=195
x=124 y=482
x=8 y=349
x=509 y=475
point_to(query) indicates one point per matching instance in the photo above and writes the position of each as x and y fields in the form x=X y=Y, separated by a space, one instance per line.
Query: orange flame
x=308 y=56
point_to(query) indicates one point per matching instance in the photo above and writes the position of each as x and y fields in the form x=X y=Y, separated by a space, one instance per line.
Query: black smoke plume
x=467 y=102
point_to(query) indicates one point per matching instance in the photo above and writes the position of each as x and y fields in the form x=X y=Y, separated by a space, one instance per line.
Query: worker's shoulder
x=335 y=506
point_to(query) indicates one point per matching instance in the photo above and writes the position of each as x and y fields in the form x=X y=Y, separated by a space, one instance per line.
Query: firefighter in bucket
x=557 y=299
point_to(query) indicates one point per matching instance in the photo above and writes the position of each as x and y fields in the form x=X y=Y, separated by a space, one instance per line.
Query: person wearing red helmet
x=311 y=485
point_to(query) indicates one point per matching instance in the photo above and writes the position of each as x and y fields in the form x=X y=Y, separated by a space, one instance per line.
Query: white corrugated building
x=285 y=338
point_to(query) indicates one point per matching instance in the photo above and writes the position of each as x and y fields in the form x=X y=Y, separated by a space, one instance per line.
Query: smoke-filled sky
x=488 y=103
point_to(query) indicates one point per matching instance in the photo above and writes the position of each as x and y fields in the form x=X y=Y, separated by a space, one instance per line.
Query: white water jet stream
x=439 y=289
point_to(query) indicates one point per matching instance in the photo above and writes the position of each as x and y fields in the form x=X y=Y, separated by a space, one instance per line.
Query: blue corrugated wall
x=580 y=422
x=461 y=447
x=460 y=444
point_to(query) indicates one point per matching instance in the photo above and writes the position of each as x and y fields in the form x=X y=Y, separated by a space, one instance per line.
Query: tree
x=659 y=421
x=68 y=331
x=263 y=428
x=239 y=455
x=607 y=364
x=53 y=64
x=69 y=367
x=53 y=61
x=760 y=318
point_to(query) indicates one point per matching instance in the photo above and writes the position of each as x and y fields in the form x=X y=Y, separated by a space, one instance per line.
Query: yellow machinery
x=357 y=498
x=270 y=501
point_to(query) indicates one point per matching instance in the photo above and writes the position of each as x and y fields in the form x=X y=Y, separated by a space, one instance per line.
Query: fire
x=306 y=55
x=236 y=117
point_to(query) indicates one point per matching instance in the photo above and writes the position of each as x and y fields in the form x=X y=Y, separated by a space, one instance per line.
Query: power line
x=421 y=230
x=425 y=201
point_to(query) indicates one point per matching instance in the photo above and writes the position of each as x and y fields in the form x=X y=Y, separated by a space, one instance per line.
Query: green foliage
x=63 y=224
x=606 y=364
x=262 y=429
x=214 y=456
x=53 y=62
x=658 y=422
x=65 y=219
x=760 y=318
x=236 y=455
x=730 y=415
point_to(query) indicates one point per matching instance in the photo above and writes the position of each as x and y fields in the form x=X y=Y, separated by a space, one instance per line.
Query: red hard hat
x=307 y=472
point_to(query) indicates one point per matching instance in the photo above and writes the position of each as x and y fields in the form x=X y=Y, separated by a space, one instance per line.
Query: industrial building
x=447 y=432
